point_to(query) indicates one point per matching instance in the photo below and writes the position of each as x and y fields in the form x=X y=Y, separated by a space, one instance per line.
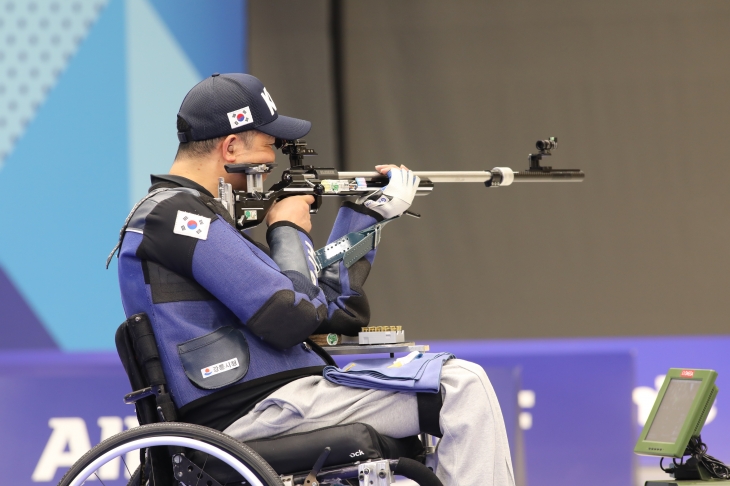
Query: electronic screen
x=673 y=410
x=679 y=412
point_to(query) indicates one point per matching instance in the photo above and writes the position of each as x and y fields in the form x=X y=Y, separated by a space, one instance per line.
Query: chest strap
x=351 y=247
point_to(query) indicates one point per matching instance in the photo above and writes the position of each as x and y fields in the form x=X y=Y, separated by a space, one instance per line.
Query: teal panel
x=157 y=81
x=64 y=194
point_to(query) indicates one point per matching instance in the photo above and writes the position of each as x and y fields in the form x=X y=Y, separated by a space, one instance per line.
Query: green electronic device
x=674 y=425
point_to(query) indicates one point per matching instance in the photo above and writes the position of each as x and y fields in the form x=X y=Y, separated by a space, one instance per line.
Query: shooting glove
x=396 y=197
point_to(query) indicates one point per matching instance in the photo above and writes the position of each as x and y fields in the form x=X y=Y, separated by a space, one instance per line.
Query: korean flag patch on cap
x=190 y=224
x=240 y=117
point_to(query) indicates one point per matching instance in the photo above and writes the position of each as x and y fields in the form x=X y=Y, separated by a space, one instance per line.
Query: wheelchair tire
x=235 y=454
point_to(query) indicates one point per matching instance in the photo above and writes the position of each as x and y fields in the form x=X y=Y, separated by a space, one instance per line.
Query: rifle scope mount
x=544 y=147
x=295 y=149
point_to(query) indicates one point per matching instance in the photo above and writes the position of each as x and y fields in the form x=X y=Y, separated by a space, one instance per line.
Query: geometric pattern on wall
x=70 y=174
x=39 y=38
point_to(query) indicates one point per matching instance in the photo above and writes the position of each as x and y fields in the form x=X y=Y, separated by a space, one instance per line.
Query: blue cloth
x=423 y=374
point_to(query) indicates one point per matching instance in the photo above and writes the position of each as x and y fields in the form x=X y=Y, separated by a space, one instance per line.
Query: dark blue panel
x=582 y=419
x=212 y=34
x=39 y=386
x=19 y=326
x=583 y=415
x=653 y=357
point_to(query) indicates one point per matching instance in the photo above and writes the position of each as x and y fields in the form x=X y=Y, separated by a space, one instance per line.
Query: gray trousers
x=474 y=448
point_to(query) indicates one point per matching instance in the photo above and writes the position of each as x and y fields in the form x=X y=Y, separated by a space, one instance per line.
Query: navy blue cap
x=230 y=103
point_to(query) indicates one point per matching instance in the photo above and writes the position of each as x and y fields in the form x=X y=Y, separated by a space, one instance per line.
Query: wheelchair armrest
x=150 y=391
x=166 y=411
x=132 y=398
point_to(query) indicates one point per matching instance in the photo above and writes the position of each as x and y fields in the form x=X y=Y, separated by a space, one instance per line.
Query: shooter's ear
x=230 y=147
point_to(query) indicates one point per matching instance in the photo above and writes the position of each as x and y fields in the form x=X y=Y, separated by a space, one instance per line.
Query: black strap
x=429 y=411
x=145 y=347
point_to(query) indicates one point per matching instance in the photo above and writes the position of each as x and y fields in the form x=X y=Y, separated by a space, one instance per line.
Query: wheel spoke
x=97 y=477
x=202 y=469
x=125 y=466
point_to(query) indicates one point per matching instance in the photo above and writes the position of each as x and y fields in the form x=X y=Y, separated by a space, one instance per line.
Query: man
x=232 y=317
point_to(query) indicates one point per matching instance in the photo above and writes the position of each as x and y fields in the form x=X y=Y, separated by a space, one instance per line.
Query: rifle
x=248 y=208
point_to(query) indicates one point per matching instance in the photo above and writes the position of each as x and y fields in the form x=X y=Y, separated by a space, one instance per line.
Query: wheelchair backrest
x=138 y=352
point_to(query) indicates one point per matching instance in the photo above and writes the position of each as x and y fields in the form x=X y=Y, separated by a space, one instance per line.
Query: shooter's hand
x=397 y=196
x=294 y=209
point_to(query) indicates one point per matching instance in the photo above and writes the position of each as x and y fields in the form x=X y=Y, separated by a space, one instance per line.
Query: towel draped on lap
x=421 y=374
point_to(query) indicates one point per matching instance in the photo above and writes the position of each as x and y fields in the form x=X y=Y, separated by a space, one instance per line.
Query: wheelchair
x=165 y=452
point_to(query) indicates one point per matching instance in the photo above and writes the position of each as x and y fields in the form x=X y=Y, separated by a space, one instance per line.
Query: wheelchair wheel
x=195 y=440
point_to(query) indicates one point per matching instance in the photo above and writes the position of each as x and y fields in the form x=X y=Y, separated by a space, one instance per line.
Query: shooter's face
x=259 y=151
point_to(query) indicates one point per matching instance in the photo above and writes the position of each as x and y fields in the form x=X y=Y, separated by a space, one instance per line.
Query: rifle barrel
x=480 y=176
x=433 y=176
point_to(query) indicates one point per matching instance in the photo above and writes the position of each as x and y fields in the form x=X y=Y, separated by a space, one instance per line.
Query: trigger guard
x=314 y=207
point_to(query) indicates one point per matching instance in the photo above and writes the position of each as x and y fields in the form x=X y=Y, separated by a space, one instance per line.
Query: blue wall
x=88 y=97
x=582 y=421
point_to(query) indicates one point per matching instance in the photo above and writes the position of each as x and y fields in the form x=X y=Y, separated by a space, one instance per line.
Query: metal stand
x=341 y=349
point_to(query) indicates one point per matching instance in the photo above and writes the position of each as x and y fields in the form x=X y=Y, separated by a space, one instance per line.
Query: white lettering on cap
x=267 y=98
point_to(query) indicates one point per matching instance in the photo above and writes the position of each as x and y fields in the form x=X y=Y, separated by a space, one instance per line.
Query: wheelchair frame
x=164 y=443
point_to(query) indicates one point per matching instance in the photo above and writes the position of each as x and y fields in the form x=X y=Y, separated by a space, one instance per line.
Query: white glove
x=396 y=197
